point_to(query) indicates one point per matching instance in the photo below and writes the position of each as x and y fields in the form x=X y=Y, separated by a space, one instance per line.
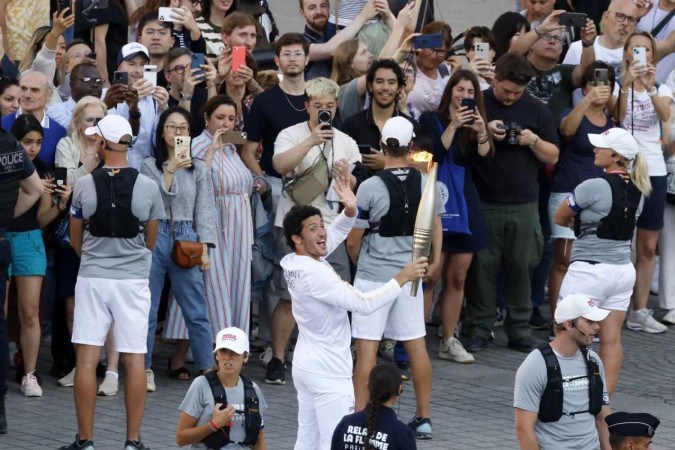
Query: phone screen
x=365 y=149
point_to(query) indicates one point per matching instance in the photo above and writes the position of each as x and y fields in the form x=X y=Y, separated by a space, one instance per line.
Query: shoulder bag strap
x=659 y=26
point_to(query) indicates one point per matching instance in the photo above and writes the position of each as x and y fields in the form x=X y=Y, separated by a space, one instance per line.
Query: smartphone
x=165 y=14
x=482 y=51
x=365 y=149
x=600 y=76
x=640 y=55
x=60 y=176
x=198 y=60
x=577 y=20
x=150 y=73
x=234 y=137
x=63 y=4
x=100 y=4
x=238 y=57
x=428 y=41
x=121 y=78
x=471 y=104
x=182 y=148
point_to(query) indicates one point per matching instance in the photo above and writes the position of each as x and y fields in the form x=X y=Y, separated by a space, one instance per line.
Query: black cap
x=632 y=424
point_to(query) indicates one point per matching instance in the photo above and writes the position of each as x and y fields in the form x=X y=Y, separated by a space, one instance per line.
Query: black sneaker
x=135 y=445
x=275 y=372
x=524 y=345
x=537 y=321
x=86 y=444
x=422 y=427
x=3 y=416
x=474 y=344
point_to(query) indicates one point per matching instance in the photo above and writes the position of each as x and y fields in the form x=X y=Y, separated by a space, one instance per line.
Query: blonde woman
x=641 y=107
x=601 y=268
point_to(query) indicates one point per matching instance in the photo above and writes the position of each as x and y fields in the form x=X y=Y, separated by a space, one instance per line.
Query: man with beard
x=321 y=35
x=85 y=79
x=271 y=112
x=384 y=82
x=618 y=23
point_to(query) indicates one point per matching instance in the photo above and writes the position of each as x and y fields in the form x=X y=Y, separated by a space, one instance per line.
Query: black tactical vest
x=113 y=216
x=404 y=199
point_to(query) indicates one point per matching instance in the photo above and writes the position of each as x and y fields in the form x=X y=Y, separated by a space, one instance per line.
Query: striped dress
x=228 y=281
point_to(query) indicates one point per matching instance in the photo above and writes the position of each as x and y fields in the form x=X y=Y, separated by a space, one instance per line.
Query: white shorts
x=402 y=320
x=322 y=403
x=102 y=303
x=609 y=285
x=558 y=231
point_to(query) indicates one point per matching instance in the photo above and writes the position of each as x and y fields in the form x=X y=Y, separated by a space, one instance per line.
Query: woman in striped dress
x=228 y=281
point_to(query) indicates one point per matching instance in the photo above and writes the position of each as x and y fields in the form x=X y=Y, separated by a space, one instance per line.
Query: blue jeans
x=5 y=258
x=187 y=286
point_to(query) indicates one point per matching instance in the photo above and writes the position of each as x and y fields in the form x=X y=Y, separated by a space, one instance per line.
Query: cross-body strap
x=662 y=23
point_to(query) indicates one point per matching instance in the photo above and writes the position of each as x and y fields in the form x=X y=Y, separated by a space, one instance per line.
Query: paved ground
x=471 y=405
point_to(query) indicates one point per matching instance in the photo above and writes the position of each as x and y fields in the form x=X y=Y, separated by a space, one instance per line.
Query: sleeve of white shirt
x=573 y=55
x=338 y=231
x=346 y=296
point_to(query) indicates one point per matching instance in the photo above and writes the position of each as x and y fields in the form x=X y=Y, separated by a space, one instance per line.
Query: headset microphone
x=574 y=325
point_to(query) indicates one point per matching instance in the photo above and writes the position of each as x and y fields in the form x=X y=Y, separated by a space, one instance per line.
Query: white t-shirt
x=611 y=56
x=647 y=23
x=646 y=128
x=426 y=94
x=320 y=304
x=342 y=147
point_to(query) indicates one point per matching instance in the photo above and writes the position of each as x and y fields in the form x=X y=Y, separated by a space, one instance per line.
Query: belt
x=586 y=261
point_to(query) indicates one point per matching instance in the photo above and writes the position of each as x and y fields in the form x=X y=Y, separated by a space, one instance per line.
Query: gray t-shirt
x=383 y=257
x=117 y=258
x=199 y=403
x=576 y=432
x=594 y=197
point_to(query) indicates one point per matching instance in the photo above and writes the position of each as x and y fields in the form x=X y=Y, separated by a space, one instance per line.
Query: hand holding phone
x=428 y=41
x=198 y=60
x=120 y=77
x=150 y=73
x=482 y=51
x=165 y=14
x=238 y=57
x=182 y=148
x=470 y=104
x=640 y=55
x=60 y=176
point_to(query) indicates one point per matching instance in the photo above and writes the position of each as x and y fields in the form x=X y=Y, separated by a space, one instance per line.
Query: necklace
x=291 y=103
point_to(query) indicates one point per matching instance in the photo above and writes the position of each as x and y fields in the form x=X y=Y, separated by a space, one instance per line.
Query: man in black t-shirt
x=20 y=188
x=525 y=138
x=271 y=112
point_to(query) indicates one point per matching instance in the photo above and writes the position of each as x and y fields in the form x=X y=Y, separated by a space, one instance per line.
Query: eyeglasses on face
x=180 y=69
x=90 y=79
x=173 y=128
x=622 y=18
x=553 y=37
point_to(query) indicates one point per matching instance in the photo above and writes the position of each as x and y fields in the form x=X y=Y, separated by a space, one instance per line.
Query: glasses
x=553 y=37
x=90 y=79
x=622 y=18
x=174 y=128
x=92 y=120
x=180 y=70
x=289 y=55
x=440 y=52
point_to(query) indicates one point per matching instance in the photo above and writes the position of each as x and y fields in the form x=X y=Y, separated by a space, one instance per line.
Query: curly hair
x=293 y=221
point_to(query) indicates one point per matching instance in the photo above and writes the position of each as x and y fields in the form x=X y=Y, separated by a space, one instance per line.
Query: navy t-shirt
x=576 y=156
x=15 y=165
x=270 y=113
x=392 y=434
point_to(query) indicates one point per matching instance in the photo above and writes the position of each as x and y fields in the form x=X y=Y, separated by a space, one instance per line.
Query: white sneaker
x=669 y=317
x=150 y=380
x=109 y=385
x=643 y=320
x=453 y=350
x=68 y=380
x=30 y=386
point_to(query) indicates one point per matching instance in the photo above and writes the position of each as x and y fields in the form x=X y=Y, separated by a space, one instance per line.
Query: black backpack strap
x=595 y=384
x=551 y=403
x=217 y=388
x=252 y=418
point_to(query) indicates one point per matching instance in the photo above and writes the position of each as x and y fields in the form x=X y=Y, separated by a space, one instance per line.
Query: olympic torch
x=424 y=222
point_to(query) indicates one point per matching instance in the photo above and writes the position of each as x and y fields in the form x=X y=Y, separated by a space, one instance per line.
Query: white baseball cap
x=112 y=128
x=130 y=50
x=577 y=305
x=232 y=338
x=617 y=139
x=398 y=128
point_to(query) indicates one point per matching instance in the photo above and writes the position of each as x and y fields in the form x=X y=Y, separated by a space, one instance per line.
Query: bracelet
x=622 y=91
x=538 y=32
x=482 y=141
x=653 y=91
x=170 y=171
x=213 y=426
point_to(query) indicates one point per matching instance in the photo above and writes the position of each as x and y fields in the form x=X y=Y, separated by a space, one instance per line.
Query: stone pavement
x=471 y=404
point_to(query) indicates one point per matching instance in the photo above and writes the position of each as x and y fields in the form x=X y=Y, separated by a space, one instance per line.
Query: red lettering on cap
x=228 y=337
x=590 y=303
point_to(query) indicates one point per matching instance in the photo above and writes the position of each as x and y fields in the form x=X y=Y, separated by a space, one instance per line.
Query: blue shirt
x=350 y=434
x=53 y=132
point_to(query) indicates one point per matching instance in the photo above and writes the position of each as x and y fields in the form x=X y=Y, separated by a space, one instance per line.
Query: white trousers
x=322 y=403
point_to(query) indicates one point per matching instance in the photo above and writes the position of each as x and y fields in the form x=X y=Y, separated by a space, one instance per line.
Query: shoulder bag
x=185 y=254
x=307 y=186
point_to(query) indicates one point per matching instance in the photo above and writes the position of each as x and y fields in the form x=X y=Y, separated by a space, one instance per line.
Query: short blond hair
x=321 y=87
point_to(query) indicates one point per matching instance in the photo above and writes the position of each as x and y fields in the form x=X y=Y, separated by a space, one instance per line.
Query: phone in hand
x=640 y=55
x=365 y=149
x=482 y=51
x=238 y=57
x=577 y=20
x=60 y=176
x=428 y=41
x=120 y=77
x=198 y=60
x=600 y=77
x=63 y=4
x=165 y=14
x=150 y=73
x=471 y=104
x=233 y=137
x=182 y=148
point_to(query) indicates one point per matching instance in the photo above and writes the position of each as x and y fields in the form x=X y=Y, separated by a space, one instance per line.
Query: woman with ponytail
x=603 y=212
x=377 y=425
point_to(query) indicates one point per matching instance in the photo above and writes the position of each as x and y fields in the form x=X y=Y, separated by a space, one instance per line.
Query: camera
x=325 y=118
x=512 y=130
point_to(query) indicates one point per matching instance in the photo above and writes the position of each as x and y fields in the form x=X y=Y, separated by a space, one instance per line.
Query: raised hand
x=347 y=197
